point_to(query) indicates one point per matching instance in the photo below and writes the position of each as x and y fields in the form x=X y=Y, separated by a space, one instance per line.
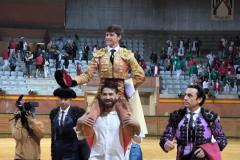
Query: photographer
x=27 y=131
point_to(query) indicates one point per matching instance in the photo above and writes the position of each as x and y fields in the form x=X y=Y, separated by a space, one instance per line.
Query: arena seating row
x=132 y=44
x=42 y=86
x=17 y=83
x=171 y=86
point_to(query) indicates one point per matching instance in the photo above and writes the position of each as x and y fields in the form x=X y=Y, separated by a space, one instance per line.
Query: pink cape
x=212 y=151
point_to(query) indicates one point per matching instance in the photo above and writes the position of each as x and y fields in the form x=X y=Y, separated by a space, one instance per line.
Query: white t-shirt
x=107 y=144
x=205 y=84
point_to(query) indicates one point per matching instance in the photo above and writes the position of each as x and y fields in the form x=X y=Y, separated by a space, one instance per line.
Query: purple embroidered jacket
x=206 y=126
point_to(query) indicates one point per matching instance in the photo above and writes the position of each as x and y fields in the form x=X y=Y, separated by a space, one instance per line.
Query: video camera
x=25 y=107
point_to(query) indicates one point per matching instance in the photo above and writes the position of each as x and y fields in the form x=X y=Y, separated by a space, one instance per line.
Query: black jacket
x=64 y=140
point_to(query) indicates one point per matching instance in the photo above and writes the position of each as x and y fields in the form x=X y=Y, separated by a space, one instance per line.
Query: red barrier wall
x=46 y=103
x=224 y=107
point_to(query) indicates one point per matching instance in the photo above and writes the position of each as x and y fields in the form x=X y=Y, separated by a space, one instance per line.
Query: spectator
x=46 y=64
x=217 y=87
x=206 y=73
x=156 y=70
x=180 y=52
x=191 y=62
x=39 y=65
x=29 y=63
x=154 y=57
x=205 y=86
x=230 y=70
x=163 y=56
x=57 y=56
x=22 y=47
x=51 y=48
x=68 y=48
x=187 y=44
x=238 y=78
x=226 y=88
x=214 y=76
x=78 y=69
x=5 y=56
x=38 y=52
x=230 y=81
x=86 y=50
x=180 y=48
x=95 y=48
x=168 y=64
x=179 y=66
x=223 y=47
x=143 y=64
x=175 y=60
x=66 y=60
x=13 y=63
x=196 y=46
x=12 y=46
x=137 y=56
x=74 y=51
x=210 y=58
x=222 y=70
x=193 y=72
x=200 y=69
x=169 y=48
x=237 y=43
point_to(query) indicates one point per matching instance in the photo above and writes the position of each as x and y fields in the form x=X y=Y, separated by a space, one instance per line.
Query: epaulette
x=126 y=54
x=176 y=116
x=100 y=52
x=208 y=115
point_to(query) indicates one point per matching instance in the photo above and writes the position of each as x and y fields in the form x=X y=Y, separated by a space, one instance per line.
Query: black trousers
x=191 y=156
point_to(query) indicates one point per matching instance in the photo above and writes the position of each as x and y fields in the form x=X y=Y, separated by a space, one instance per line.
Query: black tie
x=61 y=120
x=112 y=55
x=191 y=120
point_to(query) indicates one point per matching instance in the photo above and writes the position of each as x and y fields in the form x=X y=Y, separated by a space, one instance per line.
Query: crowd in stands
x=38 y=58
x=217 y=71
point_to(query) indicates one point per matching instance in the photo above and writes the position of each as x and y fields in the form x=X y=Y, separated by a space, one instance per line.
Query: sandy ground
x=150 y=148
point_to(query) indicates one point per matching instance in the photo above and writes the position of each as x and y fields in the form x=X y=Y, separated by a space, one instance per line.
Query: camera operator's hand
x=29 y=116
